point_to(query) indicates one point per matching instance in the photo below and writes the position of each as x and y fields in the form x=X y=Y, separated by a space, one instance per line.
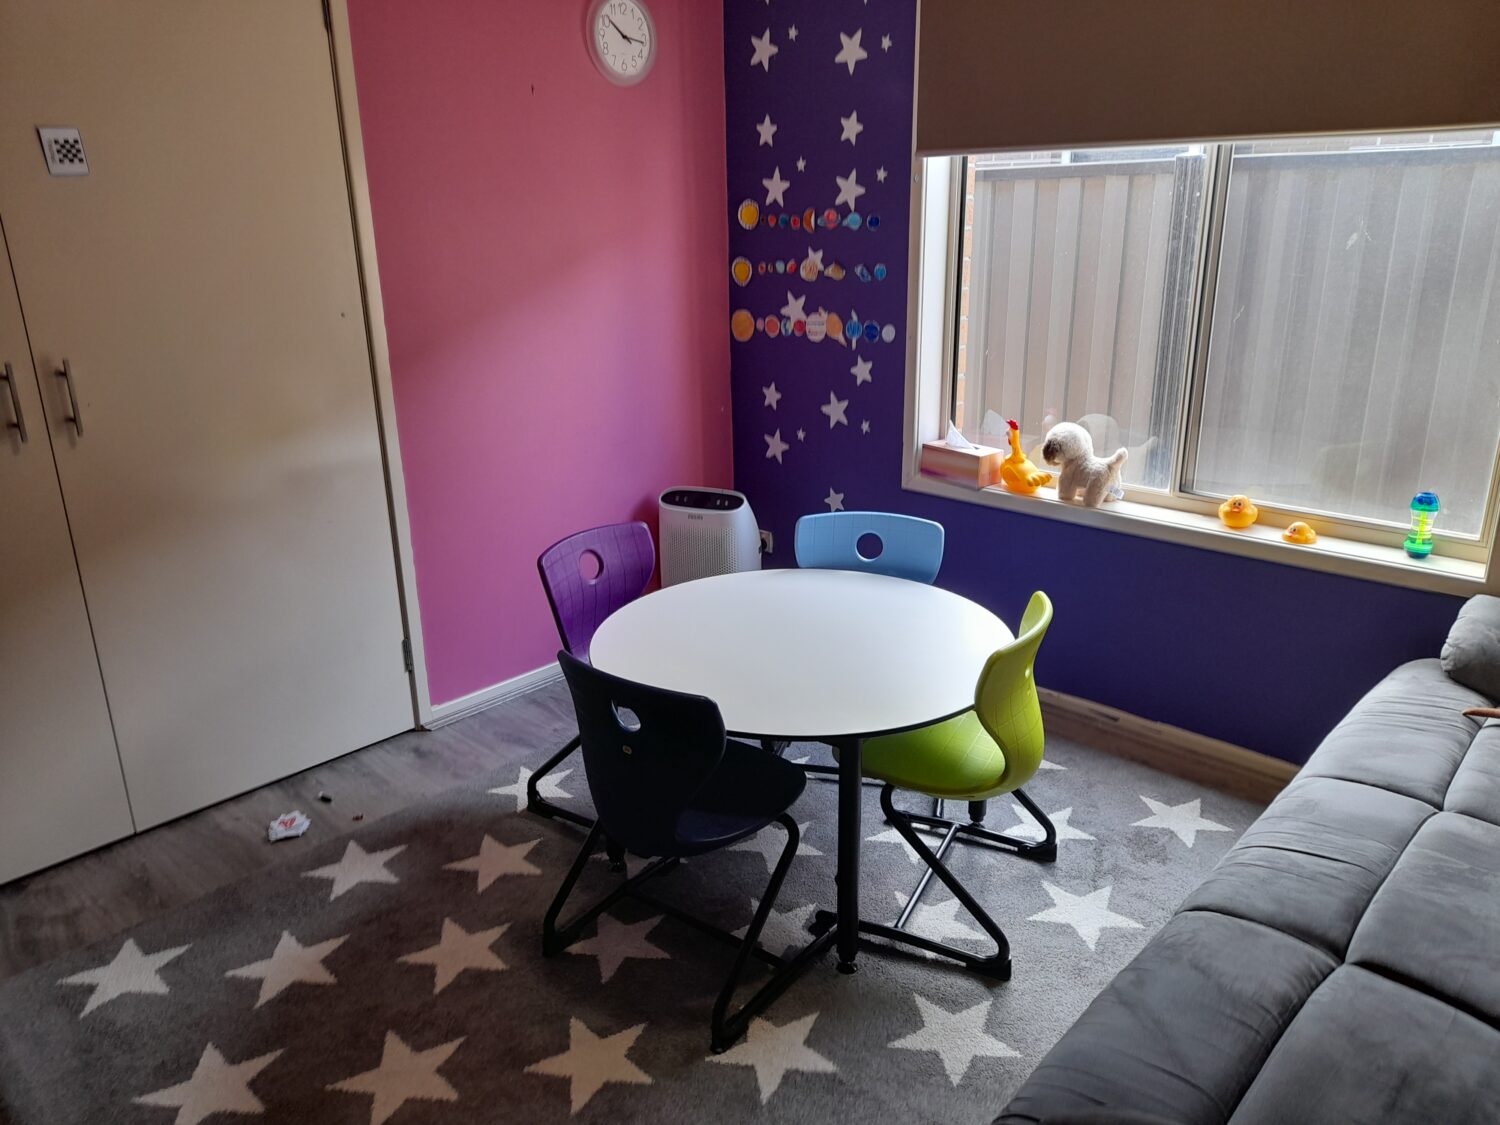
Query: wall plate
x=63 y=148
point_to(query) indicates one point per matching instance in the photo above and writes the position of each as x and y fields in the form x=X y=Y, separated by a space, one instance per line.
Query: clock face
x=623 y=40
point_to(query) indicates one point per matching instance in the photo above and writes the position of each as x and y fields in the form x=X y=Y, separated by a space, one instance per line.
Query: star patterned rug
x=397 y=976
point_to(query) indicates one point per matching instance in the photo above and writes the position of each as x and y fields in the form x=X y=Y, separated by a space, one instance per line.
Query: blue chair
x=909 y=547
x=668 y=784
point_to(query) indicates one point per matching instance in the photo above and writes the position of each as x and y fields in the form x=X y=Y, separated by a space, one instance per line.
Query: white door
x=61 y=792
x=225 y=488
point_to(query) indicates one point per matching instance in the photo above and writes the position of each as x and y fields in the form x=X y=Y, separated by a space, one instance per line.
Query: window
x=1313 y=322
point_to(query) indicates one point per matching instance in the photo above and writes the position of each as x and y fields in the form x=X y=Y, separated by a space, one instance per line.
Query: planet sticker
x=810 y=269
x=773 y=327
x=742 y=325
x=741 y=270
x=809 y=219
x=817 y=326
x=749 y=214
x=836 y=329
x=888 y=333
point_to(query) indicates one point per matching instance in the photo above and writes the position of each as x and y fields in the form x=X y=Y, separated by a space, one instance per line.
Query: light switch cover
x=63 y=149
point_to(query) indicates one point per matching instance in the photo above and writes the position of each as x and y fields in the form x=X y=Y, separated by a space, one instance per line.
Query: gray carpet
x=399 y=977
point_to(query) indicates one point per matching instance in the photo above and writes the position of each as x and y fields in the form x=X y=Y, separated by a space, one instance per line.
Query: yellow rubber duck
x=1238 y=512
x=1300 y=533
x=1017 y=473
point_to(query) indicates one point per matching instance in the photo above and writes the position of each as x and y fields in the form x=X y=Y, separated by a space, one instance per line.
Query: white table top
x=815 y=654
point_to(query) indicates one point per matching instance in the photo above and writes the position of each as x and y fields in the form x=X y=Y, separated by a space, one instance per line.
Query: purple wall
x=1262 y=655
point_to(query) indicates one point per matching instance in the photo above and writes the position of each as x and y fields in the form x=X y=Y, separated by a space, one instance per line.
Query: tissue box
x=973 y=468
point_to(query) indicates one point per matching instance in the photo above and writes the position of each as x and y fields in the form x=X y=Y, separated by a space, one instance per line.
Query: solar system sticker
x=814 y=327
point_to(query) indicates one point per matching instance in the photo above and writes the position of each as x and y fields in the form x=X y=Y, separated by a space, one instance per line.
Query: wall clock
x=622 y=40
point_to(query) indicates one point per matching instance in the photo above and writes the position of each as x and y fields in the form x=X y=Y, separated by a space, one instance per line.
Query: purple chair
x=588 y=576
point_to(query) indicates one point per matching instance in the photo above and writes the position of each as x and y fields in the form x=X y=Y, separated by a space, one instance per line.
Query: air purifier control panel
x=703 y=500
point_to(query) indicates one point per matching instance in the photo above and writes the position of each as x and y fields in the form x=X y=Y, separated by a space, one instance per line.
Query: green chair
x=989 y=751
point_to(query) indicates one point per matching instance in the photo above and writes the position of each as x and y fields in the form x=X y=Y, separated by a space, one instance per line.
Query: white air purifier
x=706 y=531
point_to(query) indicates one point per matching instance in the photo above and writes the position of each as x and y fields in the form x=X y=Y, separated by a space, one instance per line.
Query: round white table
x=825 y=655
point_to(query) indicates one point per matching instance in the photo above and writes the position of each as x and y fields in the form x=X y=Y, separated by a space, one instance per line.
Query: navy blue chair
x=668 y=784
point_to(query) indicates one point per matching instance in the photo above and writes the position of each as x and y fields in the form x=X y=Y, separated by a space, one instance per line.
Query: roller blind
x=998 y=75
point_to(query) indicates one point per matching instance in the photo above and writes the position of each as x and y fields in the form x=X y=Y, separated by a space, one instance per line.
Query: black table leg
x=850 y=832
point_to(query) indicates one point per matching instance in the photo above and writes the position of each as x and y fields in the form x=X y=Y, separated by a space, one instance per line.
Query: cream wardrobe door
x=61 y=792
x=225 y=487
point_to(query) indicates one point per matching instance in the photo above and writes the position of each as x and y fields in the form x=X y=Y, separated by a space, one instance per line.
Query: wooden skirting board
x=1222 y=765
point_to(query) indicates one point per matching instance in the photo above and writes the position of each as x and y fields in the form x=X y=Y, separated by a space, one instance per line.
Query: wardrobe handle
x=19 y=424
x=66 y=375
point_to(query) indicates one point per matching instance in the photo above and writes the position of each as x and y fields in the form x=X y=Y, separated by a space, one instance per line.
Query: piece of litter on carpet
x=288 y=825
x=326 y=798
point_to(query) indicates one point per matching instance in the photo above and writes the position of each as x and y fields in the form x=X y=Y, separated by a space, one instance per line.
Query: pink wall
x=552 y=253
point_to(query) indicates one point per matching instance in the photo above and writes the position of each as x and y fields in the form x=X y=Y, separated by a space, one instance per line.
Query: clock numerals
x=623 y=40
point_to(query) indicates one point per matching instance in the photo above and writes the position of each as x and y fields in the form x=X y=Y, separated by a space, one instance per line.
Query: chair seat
x=953 y=759
x=749 y=790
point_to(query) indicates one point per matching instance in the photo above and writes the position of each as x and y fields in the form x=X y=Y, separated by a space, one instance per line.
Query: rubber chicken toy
x=1017 y=473
x=1238 y=512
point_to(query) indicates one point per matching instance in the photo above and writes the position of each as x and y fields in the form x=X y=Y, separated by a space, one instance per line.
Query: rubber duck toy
x=1300 y=533
x=1238 y=512
x=1017 y=473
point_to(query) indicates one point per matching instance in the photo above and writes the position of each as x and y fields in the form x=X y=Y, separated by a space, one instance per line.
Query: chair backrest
x=625 y=559
x=1005 y=698
x=909 y=547
x=646 y=752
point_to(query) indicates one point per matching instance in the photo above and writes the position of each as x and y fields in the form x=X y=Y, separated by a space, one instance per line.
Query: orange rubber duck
x=1017 y=473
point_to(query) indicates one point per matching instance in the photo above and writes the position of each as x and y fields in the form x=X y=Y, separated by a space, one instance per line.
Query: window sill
x=1352 y=559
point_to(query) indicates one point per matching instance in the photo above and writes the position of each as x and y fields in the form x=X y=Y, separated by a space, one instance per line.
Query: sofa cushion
x=1182 y=1030
x=1365 y=1048
x=1471 y=654
x=1475 y=790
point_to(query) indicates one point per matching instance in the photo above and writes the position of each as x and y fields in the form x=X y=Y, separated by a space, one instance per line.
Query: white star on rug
x=131 y=971
x=784 y=931
x=940 y=922
x=358 y=866
x=457 y=950
x=290 y=963
x=1184 y=821
x=852 y=127
x=496 y=859
x=403 y=1075
x=958 y=1038
x=217 y=1086
x=775 y=1051
x=773 y=396
x=1088 y=914
x=1051 y=765
x=861 y=371
x=549 y=787
x=775 y=447
x=849 y=189
x=834 y=500
x=792 y=310
x=850 y=52
x=835 y=408
x=615 y=942
x=769 y=842
x=1029 y=829
x=776 y=188
x=763 y=50
x=891 y=836
x=767 y=131
x=590 y=1062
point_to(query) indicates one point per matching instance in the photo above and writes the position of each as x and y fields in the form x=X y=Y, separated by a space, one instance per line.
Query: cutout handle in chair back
x=1006 y=701
x=646 y=752
x=589 y=575
x=909 y=547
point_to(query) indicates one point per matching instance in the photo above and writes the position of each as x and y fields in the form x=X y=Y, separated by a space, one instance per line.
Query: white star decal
x=775 y=447
x=763 y=50
x=290 y=963
x=958 y=1038
x=801 y=164
x=496 y=859
x=131 y=971
x=767 y=131
x=861 y=371
x=851 y=52
x=880 y=173
x=885 y=42
x=1029 y=829
x=217 y=1086
x=941 y=922
x=774 y=1051
x=814 y=258
x=615 y=942
x=891 y=836
x=768 y=844
x=549 y=787
x=792 y=310
x=458 y=950
x=835 y=408
x=776 y=188
x=864 y=426
x=1088 y=914
x=852 y=127
x=849 y=189
x=791 y=33
x=403 y=1075
x=773 y=396
x=834 y=500
x=785 y=931
x=358 y=866
x=801 y=435
x=1184 y=820
x=590 y=1062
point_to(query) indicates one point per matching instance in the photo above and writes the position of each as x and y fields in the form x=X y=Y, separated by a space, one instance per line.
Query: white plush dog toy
x=1069 y=447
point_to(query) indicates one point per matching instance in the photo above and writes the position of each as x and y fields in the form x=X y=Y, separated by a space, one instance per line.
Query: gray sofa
x=1341 y=963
